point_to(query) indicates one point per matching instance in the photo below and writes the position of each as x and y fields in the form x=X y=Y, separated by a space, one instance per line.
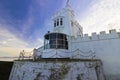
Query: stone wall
x=57 y=69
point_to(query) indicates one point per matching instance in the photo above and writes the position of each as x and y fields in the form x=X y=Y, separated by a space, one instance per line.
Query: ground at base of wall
x=5 y=69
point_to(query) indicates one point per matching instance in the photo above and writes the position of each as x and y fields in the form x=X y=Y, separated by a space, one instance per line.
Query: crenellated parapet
x=113 y=34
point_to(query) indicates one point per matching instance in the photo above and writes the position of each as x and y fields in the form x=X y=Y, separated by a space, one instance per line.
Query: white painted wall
x=29 y=70
x=106 y=48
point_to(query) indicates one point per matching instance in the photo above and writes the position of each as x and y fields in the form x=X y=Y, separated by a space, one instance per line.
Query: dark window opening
x=61 y=21
x=57 y=22
x=71 y=23
x=52 y=37
x=52 y=41
x=60 y=36
x=52 y=46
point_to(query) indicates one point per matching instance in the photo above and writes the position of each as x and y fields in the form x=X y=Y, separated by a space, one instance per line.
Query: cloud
x=29 y=21
x=10 y=45
x=39 y=42
x=101 y=15
x=7 y=39
x=42 y=3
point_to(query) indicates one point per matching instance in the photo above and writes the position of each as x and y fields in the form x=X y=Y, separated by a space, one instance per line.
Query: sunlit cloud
x=10 y=45
x=101 y=15
x=7 y=39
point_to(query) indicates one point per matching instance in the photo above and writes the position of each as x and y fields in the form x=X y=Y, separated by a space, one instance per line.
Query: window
x=53 y=36
x=60 y=36
x=71 y=23
x=57 y=22
x=61 y=21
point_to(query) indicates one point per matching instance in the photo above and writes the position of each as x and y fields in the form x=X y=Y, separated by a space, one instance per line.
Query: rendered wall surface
x=61 y=70
x=106 y=48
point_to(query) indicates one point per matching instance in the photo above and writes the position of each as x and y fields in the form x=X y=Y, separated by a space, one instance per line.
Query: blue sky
x=23 y=23
x=26 y=18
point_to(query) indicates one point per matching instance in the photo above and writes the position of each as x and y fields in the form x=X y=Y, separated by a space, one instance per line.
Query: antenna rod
x=67 y=2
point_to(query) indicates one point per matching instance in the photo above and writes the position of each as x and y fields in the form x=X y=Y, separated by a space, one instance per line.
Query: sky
x=23 y=23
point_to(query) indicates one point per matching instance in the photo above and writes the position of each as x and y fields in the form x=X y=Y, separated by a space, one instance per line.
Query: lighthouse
x=63 y=55
x=57 y=43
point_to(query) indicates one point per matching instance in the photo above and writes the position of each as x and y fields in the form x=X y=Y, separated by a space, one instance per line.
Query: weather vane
x=67 y=2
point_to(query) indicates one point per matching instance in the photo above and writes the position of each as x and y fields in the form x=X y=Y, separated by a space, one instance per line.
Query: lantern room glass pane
x=52 y=36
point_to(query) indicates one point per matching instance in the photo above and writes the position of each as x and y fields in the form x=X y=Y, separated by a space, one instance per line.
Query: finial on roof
x=67 y=3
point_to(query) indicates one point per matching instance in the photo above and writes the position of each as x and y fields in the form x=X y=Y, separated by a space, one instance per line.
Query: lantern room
x=55 y=41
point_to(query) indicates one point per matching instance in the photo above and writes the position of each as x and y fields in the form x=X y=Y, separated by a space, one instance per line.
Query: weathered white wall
x=106 y=48
x=42 y=70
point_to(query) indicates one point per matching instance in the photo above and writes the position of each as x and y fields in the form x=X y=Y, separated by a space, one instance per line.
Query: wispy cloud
x=101 y=15
x=7 y=39
x=10 y=45
x=29 y=21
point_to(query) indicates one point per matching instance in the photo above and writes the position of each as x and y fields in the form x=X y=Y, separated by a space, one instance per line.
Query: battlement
x=113 y=34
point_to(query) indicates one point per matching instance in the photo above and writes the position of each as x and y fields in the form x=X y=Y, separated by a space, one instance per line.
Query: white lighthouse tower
x=64 y=22
x=57 y=43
